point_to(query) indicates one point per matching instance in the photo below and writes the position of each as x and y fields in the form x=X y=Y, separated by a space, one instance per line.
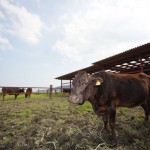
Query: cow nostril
x=80 y=103
x=76 y=97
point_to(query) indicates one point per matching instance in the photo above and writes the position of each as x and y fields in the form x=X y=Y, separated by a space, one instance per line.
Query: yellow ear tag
x=98 y=82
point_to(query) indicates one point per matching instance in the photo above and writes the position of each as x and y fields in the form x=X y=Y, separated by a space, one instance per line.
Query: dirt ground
x=42 y=124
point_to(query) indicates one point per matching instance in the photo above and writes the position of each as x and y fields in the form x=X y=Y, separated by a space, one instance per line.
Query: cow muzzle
x=74 y=99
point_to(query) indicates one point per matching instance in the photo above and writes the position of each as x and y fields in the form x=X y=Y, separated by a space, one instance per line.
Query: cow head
x=80 y=83
x=21 y=90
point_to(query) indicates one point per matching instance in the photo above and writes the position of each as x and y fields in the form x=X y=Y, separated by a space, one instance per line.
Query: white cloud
x=67 y=50
x=5 y=44
x=1 y=15
x=22 y=23
x=104 y=28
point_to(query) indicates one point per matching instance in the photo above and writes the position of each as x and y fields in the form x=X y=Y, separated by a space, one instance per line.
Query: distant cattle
x=28 y=92
x=12 y=91
x=67 y=90
x=106 y=91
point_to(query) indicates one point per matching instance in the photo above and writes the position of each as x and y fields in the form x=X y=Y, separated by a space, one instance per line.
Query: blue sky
x=44 y=39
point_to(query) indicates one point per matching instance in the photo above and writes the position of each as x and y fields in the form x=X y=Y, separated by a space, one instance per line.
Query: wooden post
x=50 y=91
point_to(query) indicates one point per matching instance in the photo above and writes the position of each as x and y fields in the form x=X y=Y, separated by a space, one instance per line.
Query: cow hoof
x=113 y=143
x=105 y=130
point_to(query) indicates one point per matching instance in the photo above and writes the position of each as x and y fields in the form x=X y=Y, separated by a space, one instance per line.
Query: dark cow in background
x=106 y=91
x=67 y=90
x=28 y=92
x=12 y=91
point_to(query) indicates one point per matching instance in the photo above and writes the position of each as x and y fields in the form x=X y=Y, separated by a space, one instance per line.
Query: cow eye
x=84 y=80
x=79 y=81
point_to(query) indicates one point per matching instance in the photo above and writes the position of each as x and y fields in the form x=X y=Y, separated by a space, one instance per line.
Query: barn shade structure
x=131 y=61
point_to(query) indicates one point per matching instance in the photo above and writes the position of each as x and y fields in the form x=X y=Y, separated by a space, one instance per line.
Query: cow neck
x=99 y=108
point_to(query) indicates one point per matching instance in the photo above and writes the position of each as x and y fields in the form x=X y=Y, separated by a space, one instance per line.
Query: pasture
x=54 y=124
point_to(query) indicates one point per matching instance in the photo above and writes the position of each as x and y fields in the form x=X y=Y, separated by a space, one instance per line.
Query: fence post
x=50 y=91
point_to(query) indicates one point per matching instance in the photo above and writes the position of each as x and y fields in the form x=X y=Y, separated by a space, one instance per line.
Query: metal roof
x=131 y=61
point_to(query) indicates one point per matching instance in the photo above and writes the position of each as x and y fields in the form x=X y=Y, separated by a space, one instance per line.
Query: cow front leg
x=3 y=96
x=16 y=96
x=112 y=118
x=105 y=121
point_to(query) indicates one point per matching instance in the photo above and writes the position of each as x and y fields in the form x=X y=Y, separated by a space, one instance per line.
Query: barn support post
x=61 y=86
x=50 y=91
x=70 y=84
x=141 y=64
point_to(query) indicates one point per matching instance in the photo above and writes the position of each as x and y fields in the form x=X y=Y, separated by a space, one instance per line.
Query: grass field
x=53 y=124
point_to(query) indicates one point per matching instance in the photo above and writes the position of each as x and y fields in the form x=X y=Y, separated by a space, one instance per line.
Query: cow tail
x=149 y=94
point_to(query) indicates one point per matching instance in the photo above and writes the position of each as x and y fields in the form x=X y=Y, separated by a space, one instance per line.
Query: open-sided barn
x=131 y=61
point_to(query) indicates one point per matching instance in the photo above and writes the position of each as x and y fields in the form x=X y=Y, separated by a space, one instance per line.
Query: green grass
x=42 y=123
x=6 y=140
x=22 y=97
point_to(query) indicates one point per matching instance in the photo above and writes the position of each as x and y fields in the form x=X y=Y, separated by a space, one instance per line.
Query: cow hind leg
x=146 y=111
x=148 y=106
x=148 y=103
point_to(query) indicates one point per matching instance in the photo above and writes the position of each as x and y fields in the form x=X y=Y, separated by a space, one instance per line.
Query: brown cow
x=11 y=91
x=106 y=91
x=28 y=92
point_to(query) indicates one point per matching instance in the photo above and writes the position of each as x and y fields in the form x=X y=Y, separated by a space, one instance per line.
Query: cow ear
x=98 y=81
